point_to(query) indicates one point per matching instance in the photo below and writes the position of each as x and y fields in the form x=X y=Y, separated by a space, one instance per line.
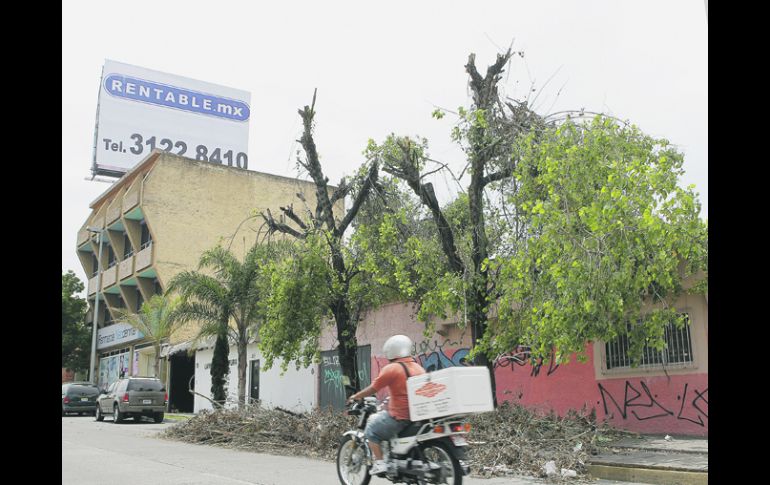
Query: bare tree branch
x=275 y=226
x=289 y=211
x=371 y=178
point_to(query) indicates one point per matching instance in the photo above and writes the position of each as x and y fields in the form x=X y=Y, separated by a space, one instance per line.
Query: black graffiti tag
x=634 y=401
x=700 y=403
x=523 y=354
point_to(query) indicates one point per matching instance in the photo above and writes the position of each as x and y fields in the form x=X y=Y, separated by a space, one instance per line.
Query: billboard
x=140 y=110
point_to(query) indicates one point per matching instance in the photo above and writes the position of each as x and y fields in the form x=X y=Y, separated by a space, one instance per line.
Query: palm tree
x=232 y=294
x=156 y=320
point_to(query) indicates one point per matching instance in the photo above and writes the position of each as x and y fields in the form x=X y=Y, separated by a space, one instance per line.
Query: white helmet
x=397 y=346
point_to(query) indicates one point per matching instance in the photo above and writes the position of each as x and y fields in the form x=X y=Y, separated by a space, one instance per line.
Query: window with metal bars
x=678 y=349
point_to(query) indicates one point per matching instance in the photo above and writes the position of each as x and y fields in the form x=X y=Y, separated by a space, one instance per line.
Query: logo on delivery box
x=431 y=389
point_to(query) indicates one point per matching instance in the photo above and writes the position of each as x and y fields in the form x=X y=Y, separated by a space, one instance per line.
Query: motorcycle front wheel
x=352 y=467
x=442 y=454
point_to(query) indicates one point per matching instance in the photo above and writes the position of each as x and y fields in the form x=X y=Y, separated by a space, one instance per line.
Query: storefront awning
x=168 y=350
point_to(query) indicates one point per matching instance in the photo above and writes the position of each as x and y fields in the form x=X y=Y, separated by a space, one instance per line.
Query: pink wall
x=645 y=404
x=654 y=404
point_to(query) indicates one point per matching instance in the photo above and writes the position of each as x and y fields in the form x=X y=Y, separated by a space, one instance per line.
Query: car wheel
x=117 y=416
x=158 y=417
x=98 y=413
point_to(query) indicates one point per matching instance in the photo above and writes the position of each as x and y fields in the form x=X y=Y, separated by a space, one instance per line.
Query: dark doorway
x=182 y=370
x=254 y=386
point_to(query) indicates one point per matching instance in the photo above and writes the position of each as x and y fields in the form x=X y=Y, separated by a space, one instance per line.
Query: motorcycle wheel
x=352 y=468
x=443 y=454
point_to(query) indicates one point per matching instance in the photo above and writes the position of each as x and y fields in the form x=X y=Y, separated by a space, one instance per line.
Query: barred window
x=678 y=349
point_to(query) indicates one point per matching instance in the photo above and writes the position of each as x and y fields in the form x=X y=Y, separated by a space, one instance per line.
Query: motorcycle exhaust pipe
x=416 y=468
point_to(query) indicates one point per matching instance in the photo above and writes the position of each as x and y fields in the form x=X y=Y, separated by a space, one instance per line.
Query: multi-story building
x=157 y=220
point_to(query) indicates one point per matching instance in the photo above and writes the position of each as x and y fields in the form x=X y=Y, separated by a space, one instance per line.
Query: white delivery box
x=454 y=390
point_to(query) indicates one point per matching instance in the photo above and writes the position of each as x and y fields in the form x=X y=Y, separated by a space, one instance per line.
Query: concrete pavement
x=131 y=453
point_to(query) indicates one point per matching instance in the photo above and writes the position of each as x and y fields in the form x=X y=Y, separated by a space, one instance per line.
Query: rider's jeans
x=382 y=427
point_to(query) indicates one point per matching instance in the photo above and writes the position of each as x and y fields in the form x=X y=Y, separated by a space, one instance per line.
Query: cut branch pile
x=277 y=431
x=516 y=440
x=510 y=440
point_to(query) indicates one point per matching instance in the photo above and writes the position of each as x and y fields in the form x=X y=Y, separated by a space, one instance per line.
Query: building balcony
x=113 y=213
x=92 y=285
x=144 y=258
x=131 y=199
x=126 y=268
x=83 y=236
x=109 y=277
x=97 y=222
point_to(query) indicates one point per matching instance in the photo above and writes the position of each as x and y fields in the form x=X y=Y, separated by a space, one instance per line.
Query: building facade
x=156 y=221
x=667 y=394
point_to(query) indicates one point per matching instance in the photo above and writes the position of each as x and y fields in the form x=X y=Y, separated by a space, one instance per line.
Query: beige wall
x=192 y=206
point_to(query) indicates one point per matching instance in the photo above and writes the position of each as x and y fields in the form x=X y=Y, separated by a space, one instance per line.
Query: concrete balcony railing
x=126 y=268
x=92 y=285
x=144 y=258
x=113 y=213
x=83 y=235
x=109 y=277
x=97 y=222
x=131 y=199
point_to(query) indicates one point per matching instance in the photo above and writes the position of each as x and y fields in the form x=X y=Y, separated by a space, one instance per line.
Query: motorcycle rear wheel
x=442 y=454
x=352 y=467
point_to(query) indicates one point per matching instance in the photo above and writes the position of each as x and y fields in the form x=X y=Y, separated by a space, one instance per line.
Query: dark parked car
x=78 y=397
x=133 y=397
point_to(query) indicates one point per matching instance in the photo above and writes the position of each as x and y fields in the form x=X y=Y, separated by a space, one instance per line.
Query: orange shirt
x=394 y=377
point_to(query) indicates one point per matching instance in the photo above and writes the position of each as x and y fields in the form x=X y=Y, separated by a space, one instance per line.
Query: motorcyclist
x=387 y=424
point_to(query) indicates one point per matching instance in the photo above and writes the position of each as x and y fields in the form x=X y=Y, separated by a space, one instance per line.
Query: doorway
x=182 y=370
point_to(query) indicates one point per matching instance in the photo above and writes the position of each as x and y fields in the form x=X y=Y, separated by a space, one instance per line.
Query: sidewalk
x=653 y=460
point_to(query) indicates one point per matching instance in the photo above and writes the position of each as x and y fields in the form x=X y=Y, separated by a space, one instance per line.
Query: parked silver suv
x=133 y=397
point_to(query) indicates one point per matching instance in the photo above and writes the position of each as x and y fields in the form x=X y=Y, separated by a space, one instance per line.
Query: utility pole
x=92 y=367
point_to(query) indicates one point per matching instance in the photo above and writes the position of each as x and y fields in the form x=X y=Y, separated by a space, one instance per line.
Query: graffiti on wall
x=521 y=355
x=332 y=390
x=435 y=356
x=643 y=404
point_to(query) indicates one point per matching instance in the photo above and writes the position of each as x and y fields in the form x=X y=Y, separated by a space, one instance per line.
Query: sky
x=383 y=67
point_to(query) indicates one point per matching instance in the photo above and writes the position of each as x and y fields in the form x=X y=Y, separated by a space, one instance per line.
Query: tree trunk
x=157 y=361
x=348 y=344
x=242 y=356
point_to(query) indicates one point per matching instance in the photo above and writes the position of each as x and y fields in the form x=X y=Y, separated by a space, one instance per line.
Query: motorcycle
x=425 y=452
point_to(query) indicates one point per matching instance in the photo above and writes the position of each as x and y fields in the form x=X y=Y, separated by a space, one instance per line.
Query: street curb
x=176 y=417
x=647 y=475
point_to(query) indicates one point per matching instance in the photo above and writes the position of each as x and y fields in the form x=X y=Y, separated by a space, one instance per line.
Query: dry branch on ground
x=510 y=440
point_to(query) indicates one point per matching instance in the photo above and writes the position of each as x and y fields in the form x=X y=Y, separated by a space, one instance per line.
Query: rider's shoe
x=379 y=467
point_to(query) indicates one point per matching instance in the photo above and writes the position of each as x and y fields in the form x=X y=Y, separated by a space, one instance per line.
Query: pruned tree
x=320 y=236
x=594 y=236
x=486 y=132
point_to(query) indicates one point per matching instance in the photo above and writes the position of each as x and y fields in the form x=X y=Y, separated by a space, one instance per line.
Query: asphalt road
x=130 y=453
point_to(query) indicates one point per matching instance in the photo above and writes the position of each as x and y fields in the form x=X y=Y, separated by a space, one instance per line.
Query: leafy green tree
x=322 y=267
x=233 y=293
x=75 y=332
x=156 y=320
x=608 y=239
